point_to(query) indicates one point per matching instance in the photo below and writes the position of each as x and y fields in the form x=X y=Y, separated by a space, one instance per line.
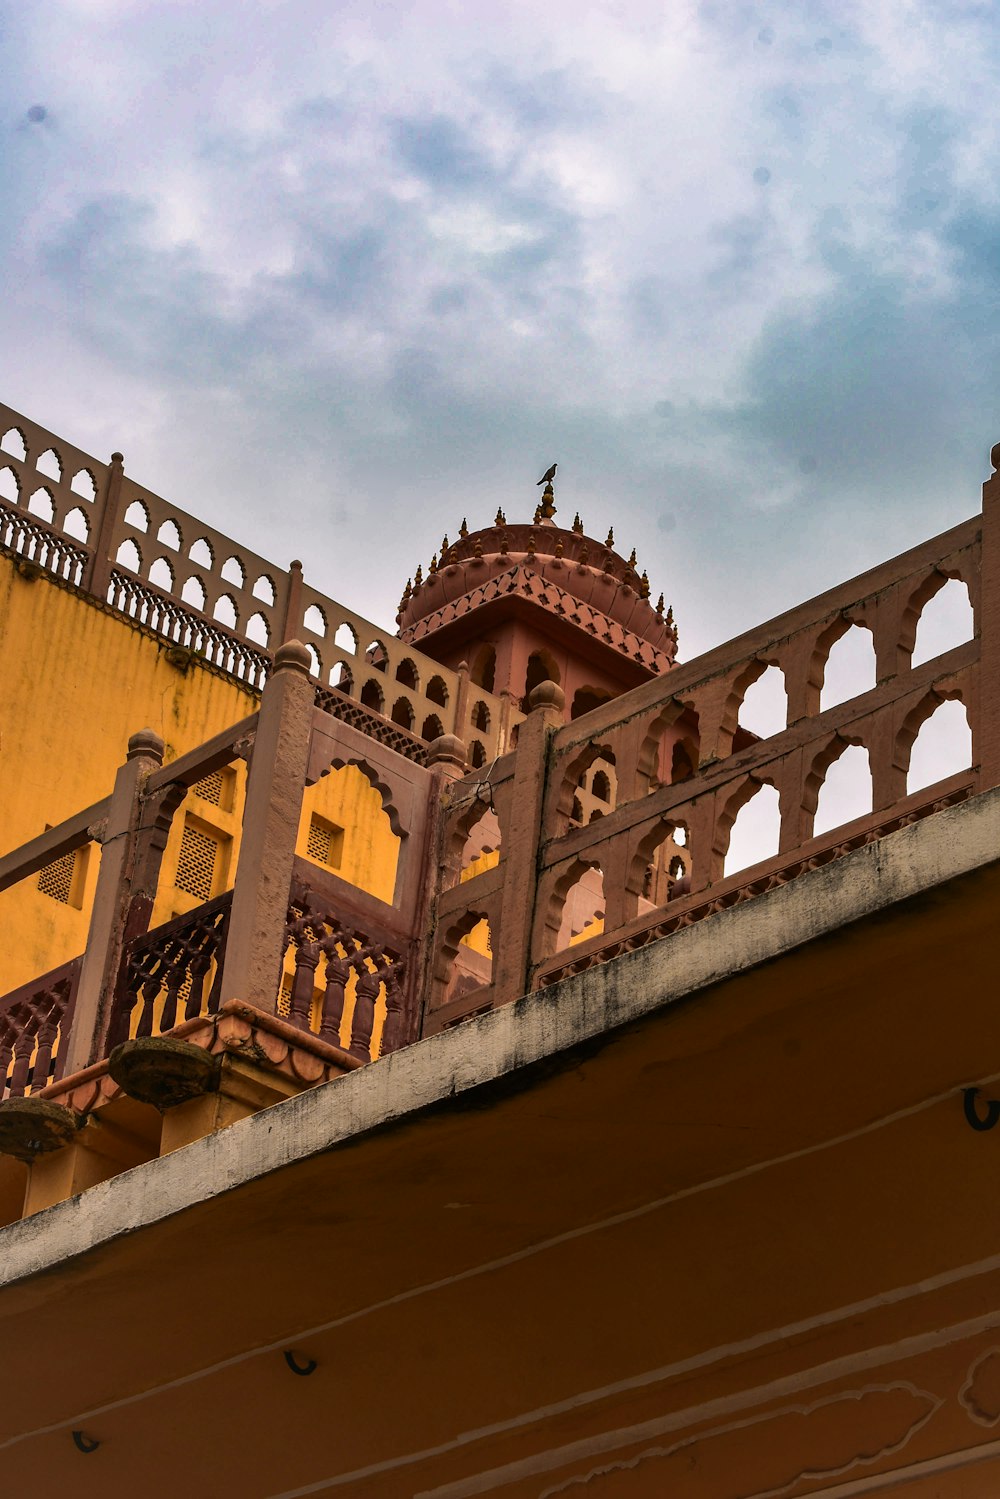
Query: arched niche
x=749 y=828
x=847 y=665
x=351 y=795
x=945 y=620
x=844 y=789
x=464 y=960
x=935 y=742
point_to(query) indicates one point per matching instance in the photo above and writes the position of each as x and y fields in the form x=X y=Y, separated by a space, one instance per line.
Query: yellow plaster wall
x=76 y=681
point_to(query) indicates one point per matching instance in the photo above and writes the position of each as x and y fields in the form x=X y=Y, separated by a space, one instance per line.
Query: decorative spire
x=418 y=576
x=644 y=585
x=531 y=543
x=611 y=537
x=434 y=565
x=577 y=525
x=477 y=550
x=501 y=519
x=585 y=554
x=559 y=547
x=547 y=508
x=659 y=604
x=463 y=529
x=407 y=592
x=632 y=558
x=538 y=515
x=670 y=615
x=444 y=543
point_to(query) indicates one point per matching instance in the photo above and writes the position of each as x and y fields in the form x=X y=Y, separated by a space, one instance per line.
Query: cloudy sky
x=334 y=275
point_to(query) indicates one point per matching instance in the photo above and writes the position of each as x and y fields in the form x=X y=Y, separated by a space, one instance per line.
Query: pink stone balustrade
x=165 y=569
x=645 y=789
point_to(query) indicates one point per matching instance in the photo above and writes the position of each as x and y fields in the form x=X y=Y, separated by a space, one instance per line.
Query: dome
x=582 y=580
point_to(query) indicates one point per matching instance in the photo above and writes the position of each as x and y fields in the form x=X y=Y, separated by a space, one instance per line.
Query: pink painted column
x=98 y=574
x=255 y=945
x=132 y=842
x=512 y=944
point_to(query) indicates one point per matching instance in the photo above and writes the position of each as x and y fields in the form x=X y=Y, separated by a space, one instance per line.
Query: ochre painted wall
x=106 y=678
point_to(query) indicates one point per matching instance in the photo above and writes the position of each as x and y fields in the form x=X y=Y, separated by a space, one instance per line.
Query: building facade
x=412 y=973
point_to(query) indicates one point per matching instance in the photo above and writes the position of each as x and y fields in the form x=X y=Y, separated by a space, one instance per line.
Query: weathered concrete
x=909 y=863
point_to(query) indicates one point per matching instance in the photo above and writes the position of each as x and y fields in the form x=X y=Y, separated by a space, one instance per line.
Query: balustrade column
x=132 y=843
x=512 y=945
x=255 y=945
x=986 y=747
x=97 y=574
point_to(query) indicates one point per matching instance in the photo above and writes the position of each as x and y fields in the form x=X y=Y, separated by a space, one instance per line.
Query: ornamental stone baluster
x=365 y=997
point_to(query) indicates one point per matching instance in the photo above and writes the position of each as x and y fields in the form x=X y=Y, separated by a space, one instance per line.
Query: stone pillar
x=986 y=732
x=255 y=945
x=98 y=573
x=512 y=944
x=292 y=621
x=113 y=920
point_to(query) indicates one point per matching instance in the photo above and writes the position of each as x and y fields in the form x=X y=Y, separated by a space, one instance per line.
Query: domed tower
x=525 y=603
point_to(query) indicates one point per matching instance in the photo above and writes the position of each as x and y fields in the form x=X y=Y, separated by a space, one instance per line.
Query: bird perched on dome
x=548 y=475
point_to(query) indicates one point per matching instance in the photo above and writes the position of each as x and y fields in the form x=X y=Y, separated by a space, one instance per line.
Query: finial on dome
x=559 y=547
x=547 y=508
x=407 y=592
x=444 y=543
x=670 y=615
x=463 y=529
x=632 y=559
x=477 y=550
x=434 y=565
x=577 y=525
x=611 y=537
x=537 y=516
x=501 y=519
x=418 y=576
x=660 y=603
x=644 y=585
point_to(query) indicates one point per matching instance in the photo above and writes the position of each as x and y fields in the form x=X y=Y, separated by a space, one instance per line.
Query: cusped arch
x=233 y=571
x=258 y=630
x=201 y=553
x=843 y=664
x=169 y=534
x=77 y=525
x=437 y=692
x=402 y=713
x=225 y=611
x=161 y=575
x=50 y=464
x=744 y=838
x=264 y=589
x=944 y=619
x=576 y=901
x=137 y=516
x=407 y=674
x=84 y=484
x=10 y=488
x=128 y=555
x=314 y=620
x=42 y=504
x=576 y=767
x=839 y=785
x=193 y=592
x=432 y=728
x=950 y=757
x=374 y=778
x=14 y=442
x=660 y=763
